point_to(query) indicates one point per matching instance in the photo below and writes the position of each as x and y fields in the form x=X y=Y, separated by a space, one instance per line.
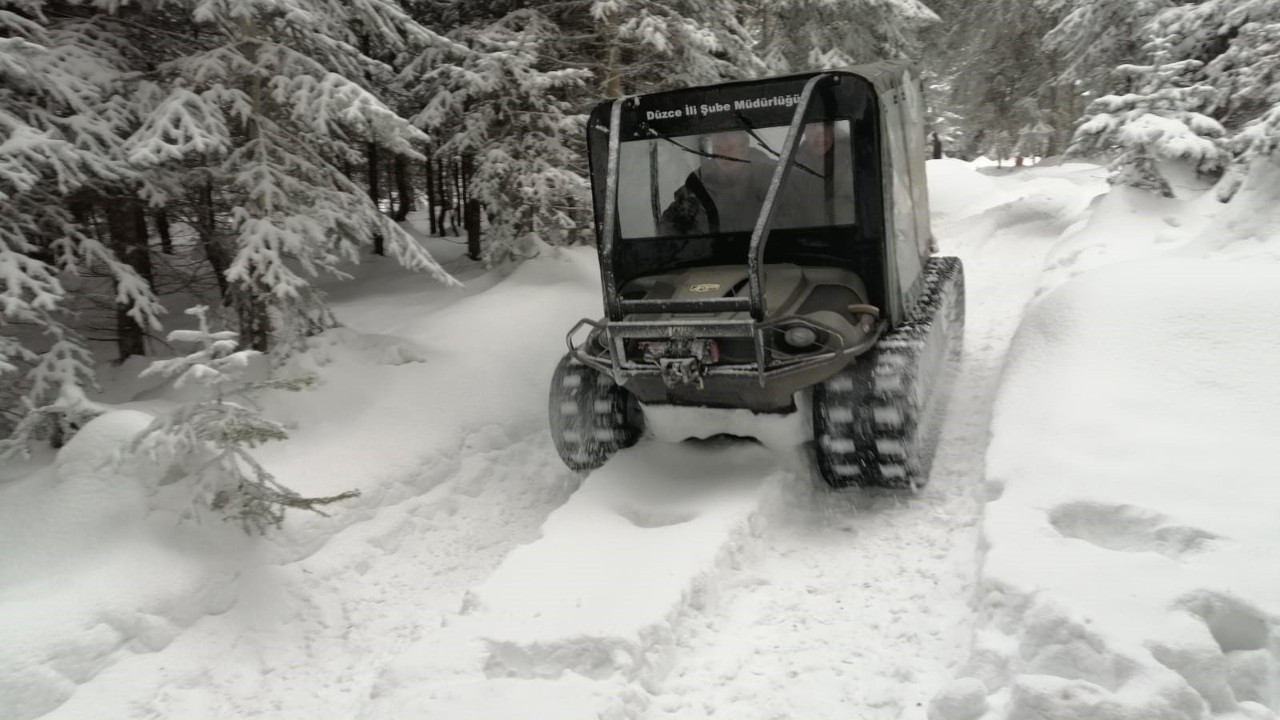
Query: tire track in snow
x=331 y=621
x=858 y=608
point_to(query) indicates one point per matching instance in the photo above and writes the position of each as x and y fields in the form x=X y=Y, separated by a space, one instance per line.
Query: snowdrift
x=1130 y=471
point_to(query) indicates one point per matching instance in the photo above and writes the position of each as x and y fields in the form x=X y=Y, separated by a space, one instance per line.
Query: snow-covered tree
x=1002 y=83
x=1034 y=139
x=1155 y=127
x=61 y=124
x=1239 y=43
x=513 y=92
x=206 y=442
x=646 y=45
x=798 y=35
x=273 y=99
x=1092 y=37
x=493 y=100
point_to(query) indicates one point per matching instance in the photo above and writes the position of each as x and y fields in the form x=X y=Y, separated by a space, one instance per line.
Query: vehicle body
x=759 y=239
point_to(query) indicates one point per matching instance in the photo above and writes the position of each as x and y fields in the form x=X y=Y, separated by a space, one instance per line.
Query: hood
x=783 y=284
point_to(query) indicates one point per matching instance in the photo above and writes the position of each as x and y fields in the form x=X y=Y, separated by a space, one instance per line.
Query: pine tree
x=1238 y=42
x=512 y=93
x=493 y=99
x=1091 y=37
x=1001 y=82
x=1156 y=125
x=798 y=35
x=273 y=100
x=634 y=46
x=62 y=122
x=207 y=441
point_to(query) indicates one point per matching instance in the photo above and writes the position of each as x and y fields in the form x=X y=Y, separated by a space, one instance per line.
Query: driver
x=819 y=191
x=724 y=194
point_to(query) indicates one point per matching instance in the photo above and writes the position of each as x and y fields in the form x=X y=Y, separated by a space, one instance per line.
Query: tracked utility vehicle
x=766 y=245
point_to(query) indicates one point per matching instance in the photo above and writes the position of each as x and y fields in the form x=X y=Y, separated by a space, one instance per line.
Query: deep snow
x=1093 y=543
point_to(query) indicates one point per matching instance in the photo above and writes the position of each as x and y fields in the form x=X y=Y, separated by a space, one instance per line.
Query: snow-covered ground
x=1094 y=542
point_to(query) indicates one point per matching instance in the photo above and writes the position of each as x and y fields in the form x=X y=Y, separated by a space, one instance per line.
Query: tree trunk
x=432 y=200
x=613 y=61
x=459 y=195
x=404 y=189
x=162 y=227
x=375 y=192
x=472 y=222
x=448 y=181
x=255 y=322
x=129 y=241
x=219 y=259
x=471 y=208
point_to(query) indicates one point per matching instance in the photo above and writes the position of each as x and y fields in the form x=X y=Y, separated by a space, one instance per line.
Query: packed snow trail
x=779 y=599
x=858 y=612
x=782 y=599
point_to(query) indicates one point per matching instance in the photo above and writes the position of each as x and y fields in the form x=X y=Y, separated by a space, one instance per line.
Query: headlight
x=799 y=336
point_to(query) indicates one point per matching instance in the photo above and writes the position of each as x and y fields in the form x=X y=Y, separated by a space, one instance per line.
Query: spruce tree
x=273 y=99
x=206 y=442
x=62 y=120
x=1157 y=125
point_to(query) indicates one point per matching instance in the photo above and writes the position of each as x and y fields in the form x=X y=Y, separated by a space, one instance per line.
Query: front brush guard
x=611 y=337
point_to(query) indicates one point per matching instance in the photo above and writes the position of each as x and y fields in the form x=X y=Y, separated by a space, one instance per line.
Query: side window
x=904 y=218
x=913 y=128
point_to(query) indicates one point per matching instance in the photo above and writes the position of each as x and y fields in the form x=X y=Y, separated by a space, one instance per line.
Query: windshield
x=716 y=182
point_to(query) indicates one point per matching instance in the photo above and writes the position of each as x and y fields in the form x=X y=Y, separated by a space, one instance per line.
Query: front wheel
x=591 y=417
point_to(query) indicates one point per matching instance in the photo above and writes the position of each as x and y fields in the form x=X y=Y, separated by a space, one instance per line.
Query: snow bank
x=1131 y=465
x=956 y=186
x=968 y=202
x=1127 y=224
x=432 y=404
x=403 y=394
x=92 y=564
x=1247 y=228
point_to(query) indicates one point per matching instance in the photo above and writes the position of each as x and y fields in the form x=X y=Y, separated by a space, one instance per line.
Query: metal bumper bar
x=605 y=347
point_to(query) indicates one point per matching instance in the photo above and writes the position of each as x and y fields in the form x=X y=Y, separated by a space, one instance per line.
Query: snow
x=1130 y=457
x=1094 y=542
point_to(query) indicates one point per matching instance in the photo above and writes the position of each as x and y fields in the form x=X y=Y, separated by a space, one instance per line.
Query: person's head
x=733 y=144
x=819 y=137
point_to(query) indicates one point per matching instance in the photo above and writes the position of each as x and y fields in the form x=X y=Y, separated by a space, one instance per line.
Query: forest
x=234 y=151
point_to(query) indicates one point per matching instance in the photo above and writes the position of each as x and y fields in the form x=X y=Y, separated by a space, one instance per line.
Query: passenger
x=726 y=193
x=819 y=191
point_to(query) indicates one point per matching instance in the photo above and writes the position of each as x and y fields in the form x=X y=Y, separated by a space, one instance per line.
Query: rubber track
x=591 y=417
x=876 y=422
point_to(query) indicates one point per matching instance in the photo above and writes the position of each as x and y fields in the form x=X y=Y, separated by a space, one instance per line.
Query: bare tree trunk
x=375 y=192
x=471 y=219
x=249 y=300
x=471 y=209
x=404 y=189
x=206 y=227
x=129 y=241
x=161 y=217
x=613 y=62
x=460 y=195
x=432 y=200
x=445 y=183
